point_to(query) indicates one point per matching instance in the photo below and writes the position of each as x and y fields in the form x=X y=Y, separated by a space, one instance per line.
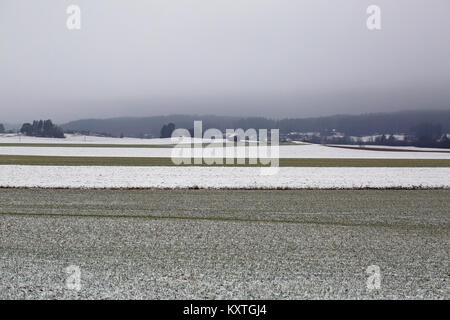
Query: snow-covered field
x=224 y=244
x=392 y=147
x=286 y=151
x=289 y=151
x=220 y=177
x=79 y=139
x=209 y=177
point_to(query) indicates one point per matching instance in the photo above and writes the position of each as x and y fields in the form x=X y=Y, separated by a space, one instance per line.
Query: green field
x=155 y=161
x=212 y=244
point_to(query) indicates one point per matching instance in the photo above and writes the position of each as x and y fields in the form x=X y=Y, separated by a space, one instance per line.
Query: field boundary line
x=393 y=188
x=168 y=162
x=435 y=229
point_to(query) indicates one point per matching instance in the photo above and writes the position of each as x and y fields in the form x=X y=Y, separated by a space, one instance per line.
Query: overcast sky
x=276 y=58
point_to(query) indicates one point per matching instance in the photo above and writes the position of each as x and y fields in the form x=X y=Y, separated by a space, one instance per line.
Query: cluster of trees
x=390 y=140
x=424 y=134
x=2 y=128
x=40 y=128
x=427 y=132
x=430 y=135
x=167 y=129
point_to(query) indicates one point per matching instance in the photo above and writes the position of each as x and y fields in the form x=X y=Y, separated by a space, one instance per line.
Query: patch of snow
x=392 y=147
x=80 y=139
x=219 y=177
x=286 y=151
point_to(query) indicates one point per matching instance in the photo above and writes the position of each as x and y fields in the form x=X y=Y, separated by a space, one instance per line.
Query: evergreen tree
x=391 y=140
x=167 y=130
x=41 y=128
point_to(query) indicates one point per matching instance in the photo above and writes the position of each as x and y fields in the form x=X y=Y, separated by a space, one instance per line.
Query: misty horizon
x=274 y=59
x=18 y=124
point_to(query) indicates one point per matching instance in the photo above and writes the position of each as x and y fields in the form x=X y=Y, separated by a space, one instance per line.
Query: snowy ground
x=286 y=151
x=77 y=139
x=289 y=151
x=224 y=244
x=208 y=177
x=220 y=177
x=392 y=147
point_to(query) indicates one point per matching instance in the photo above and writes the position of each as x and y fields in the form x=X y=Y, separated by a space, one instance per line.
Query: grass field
x=158 y=161
x=224 y=243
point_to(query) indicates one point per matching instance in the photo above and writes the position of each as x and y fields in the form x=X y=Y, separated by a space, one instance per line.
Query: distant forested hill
x=357 y=125
x=135 y=127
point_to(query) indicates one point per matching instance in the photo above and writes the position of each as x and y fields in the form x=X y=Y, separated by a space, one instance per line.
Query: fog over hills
x=364 y=124
x=266 y=58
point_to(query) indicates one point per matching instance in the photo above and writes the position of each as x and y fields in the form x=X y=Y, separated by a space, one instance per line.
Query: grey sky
x=276 y=58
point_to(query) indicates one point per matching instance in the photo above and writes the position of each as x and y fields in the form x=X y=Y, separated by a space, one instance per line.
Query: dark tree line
x=422 y=135
x=167 y=129
x=430 y=135
x=349 y=125
x=2 y=128
x=427 y=132
x=42 y=128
